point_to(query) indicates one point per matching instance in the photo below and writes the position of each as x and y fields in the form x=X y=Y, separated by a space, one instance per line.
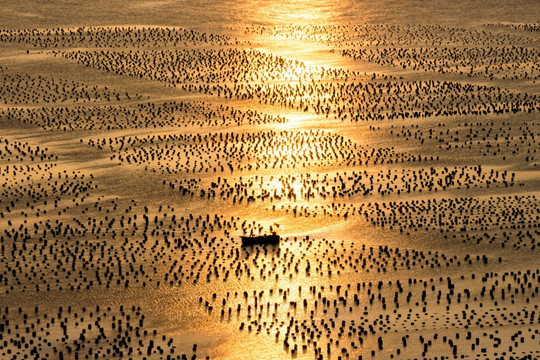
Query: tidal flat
x=393 y=148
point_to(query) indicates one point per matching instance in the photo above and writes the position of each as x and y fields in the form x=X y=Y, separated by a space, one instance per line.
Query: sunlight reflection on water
x=323 y=245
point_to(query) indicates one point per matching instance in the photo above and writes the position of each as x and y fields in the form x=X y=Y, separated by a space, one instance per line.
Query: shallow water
x=232 y=13
x=403 y=236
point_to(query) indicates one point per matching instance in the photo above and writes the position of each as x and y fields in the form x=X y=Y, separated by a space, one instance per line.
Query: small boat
x=260 y=239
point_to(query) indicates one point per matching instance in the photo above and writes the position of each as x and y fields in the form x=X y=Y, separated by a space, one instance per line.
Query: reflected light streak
x=296 y=12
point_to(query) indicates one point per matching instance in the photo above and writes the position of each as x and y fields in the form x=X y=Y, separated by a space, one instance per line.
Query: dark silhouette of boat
x=260 y=239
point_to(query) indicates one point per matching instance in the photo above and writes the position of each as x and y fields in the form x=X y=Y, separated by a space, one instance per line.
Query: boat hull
x=262 y=239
